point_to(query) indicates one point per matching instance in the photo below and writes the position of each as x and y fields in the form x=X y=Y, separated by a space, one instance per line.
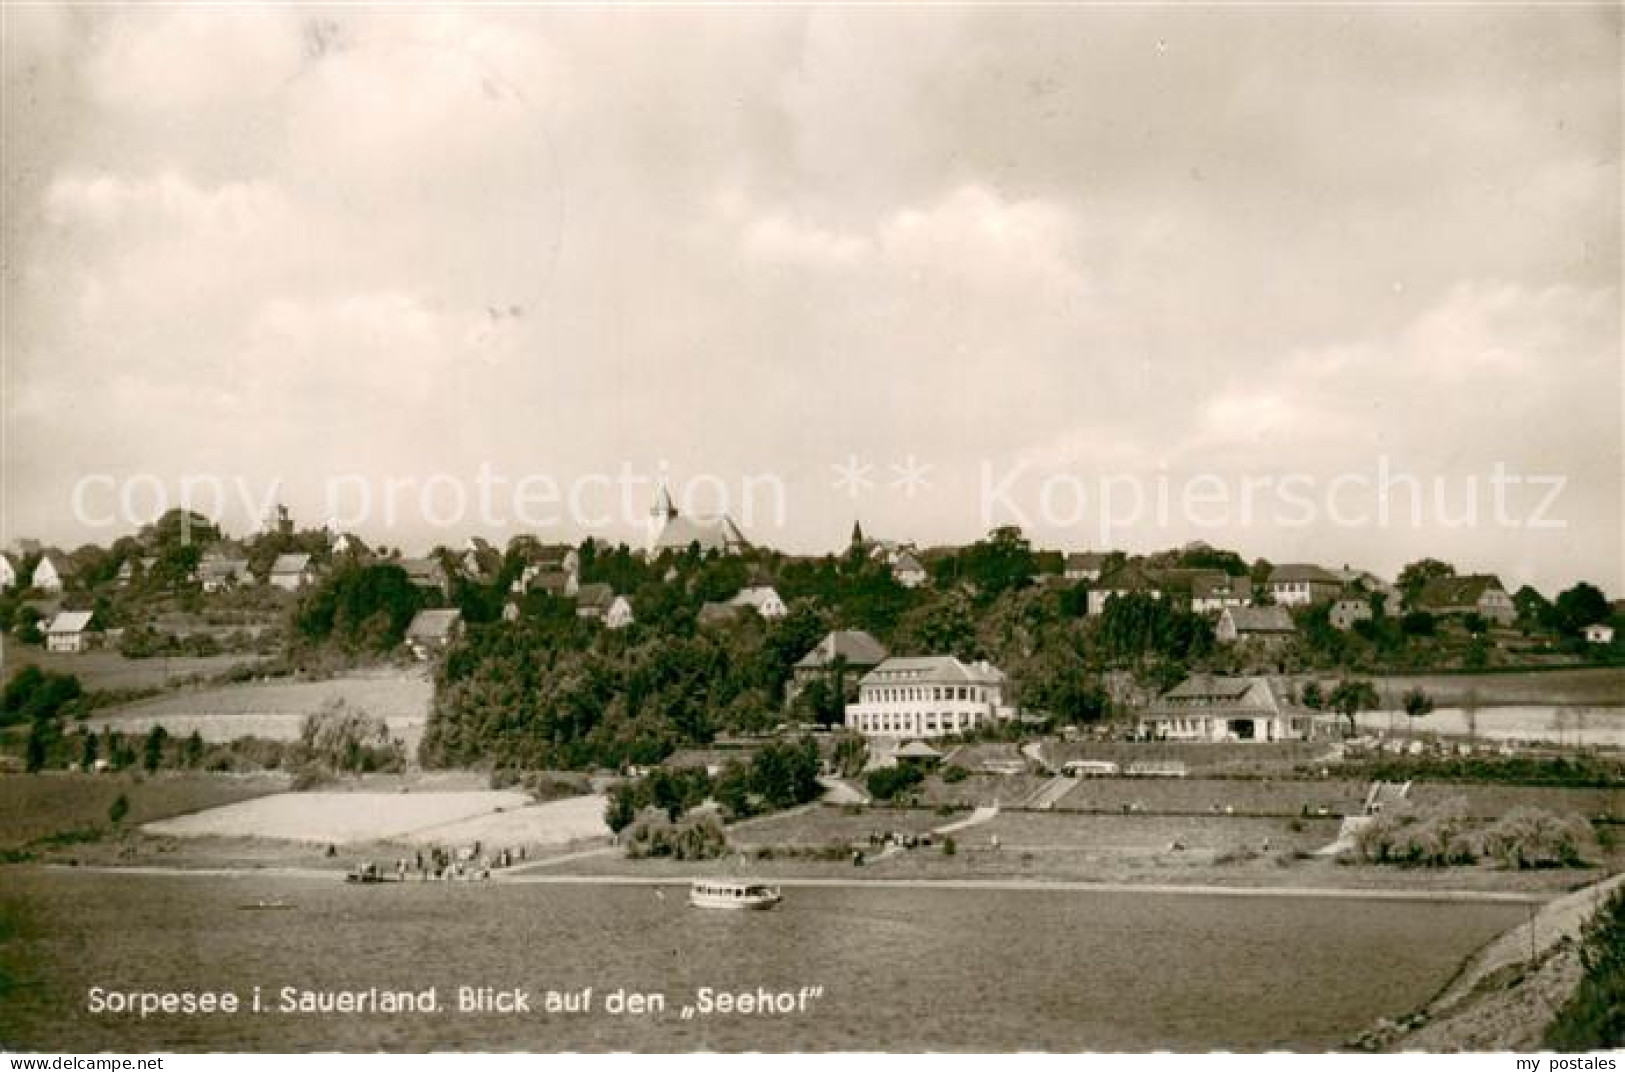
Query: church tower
x=660 y=514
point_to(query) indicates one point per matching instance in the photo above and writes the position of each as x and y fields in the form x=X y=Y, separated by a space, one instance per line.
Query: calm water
x=901 y=969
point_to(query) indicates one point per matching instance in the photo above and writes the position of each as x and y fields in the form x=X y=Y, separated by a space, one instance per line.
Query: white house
x=671 y=531
x=290 y=572
x=763 y=599
x=928 y=696
x=1599 y=633
x=48 y=574
x=1122 y=582
x=906 y=569
x=1209 y=707
x=1300 y=585
x=1216 y=591
x=68 y=631
x=619 y=614
x=217 y=573
x=1084 y=565
x=598 y=602
x=8 y=573
x=433 y=630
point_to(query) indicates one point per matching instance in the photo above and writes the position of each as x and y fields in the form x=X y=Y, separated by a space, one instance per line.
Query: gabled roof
x=70 y=621
x=1128 y=579
x=222 y=567
x=906 y=563
x=1085 y=560
x=1260 y=619
x=290 y=563
x=1210 y=687
x=423 y=570
x=1458 y=591
x=711 y=533
x=858 y=648
x=434 y=624
x=1215 y=584
x=1302 y=573
x=757 y=597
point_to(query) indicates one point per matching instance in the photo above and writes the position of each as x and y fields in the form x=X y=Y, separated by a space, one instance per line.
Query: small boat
x=368 y=874
x=264 y=906
x=732 y=893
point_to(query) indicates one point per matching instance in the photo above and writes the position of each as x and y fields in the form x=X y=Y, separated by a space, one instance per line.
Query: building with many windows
x=928 y=696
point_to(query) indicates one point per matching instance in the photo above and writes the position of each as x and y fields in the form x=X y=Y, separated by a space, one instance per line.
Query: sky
x=1125 y=276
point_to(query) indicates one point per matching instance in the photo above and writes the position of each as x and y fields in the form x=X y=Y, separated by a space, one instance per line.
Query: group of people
x=466 y=863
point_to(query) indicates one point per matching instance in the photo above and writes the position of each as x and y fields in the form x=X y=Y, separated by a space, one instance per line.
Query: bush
x=119 y=809
x=889 y=782
x=1529 y=838
x=949 y=846
x=1436 y=837
x=697 y=838
x=952 y=774
x=1594 y=1017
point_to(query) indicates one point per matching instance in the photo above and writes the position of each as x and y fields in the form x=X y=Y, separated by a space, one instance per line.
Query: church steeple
x=857 y=534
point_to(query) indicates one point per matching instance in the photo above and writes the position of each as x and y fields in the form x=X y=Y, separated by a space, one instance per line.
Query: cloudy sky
x=1030 y=254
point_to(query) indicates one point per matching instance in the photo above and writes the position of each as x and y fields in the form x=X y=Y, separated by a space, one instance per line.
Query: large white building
x=1210 y=707
x=928 y=696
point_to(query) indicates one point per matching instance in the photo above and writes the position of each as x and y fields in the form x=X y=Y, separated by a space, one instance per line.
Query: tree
x=153 y=753
x=1350 y=697
x=1313 y=698
x=119 y=809
x=1417 y=703
x=1414 y=577
x=1578 y=607
x=88 y=750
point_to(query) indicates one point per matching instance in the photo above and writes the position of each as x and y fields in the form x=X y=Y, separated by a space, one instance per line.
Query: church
x=672 y=531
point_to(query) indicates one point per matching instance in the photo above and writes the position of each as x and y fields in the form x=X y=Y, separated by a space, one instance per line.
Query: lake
x=900 y=969
x=1567 y=725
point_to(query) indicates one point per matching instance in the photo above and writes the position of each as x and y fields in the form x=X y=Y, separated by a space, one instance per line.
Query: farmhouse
x=1084 y=565
x=1208 y=707
x=671 y=531
x=68 y=632
x=290 y=572
x=1300 y=585
x=433 y=630
x=928 y=696
x=1346 y=612
x=1271 y=625
x=1477 y=593
x=761 y=598
x=49 y=574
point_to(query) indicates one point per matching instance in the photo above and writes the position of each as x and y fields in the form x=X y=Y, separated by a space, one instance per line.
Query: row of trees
x=779 y=775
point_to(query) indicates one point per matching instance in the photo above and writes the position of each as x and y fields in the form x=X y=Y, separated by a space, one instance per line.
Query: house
x=1599 y=633
x=1211 y=591
x=763 y=599
x=1300 y=585
x=841 y=652
x=217 y=573
x=907 y=570
x=290 y=572
x=8 y=572
x=1477 y=593
x=1359 y=580
x=425 y=573
x=598 y=602
x=555 y=582
x=1122 y=582
x=671 y=531
x=480 y=559
x=68 y=631
x=433 y=630
x=928 y=696
x=50 y=573
x=1084 y=565
x=1346 y=612
x=348 y=545
x=1210 y=707
x=1271 y=625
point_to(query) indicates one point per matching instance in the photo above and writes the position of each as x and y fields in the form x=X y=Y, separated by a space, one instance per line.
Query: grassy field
x=824 y=825
x=276 y=709
x=35 y=806
x=108 y=670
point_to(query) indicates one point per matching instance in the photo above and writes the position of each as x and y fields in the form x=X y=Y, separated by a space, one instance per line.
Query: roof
x=907 y=563
x=718 y=612
x=1260 y=619
x=1210 y=687
x=917 y=750
x=222 y=567
x=1085 y=560
x=1127 y=579
x=596 y=594
x=854 y=645
x=711 y=533
x=422 y=570
x=1458 y=591
x=756 y=597
x=935 y=669
x=1218 y=583
x=1301 y=573
x=434 y=624
x=70 y=621
x=553 y=582
x=293 y=563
